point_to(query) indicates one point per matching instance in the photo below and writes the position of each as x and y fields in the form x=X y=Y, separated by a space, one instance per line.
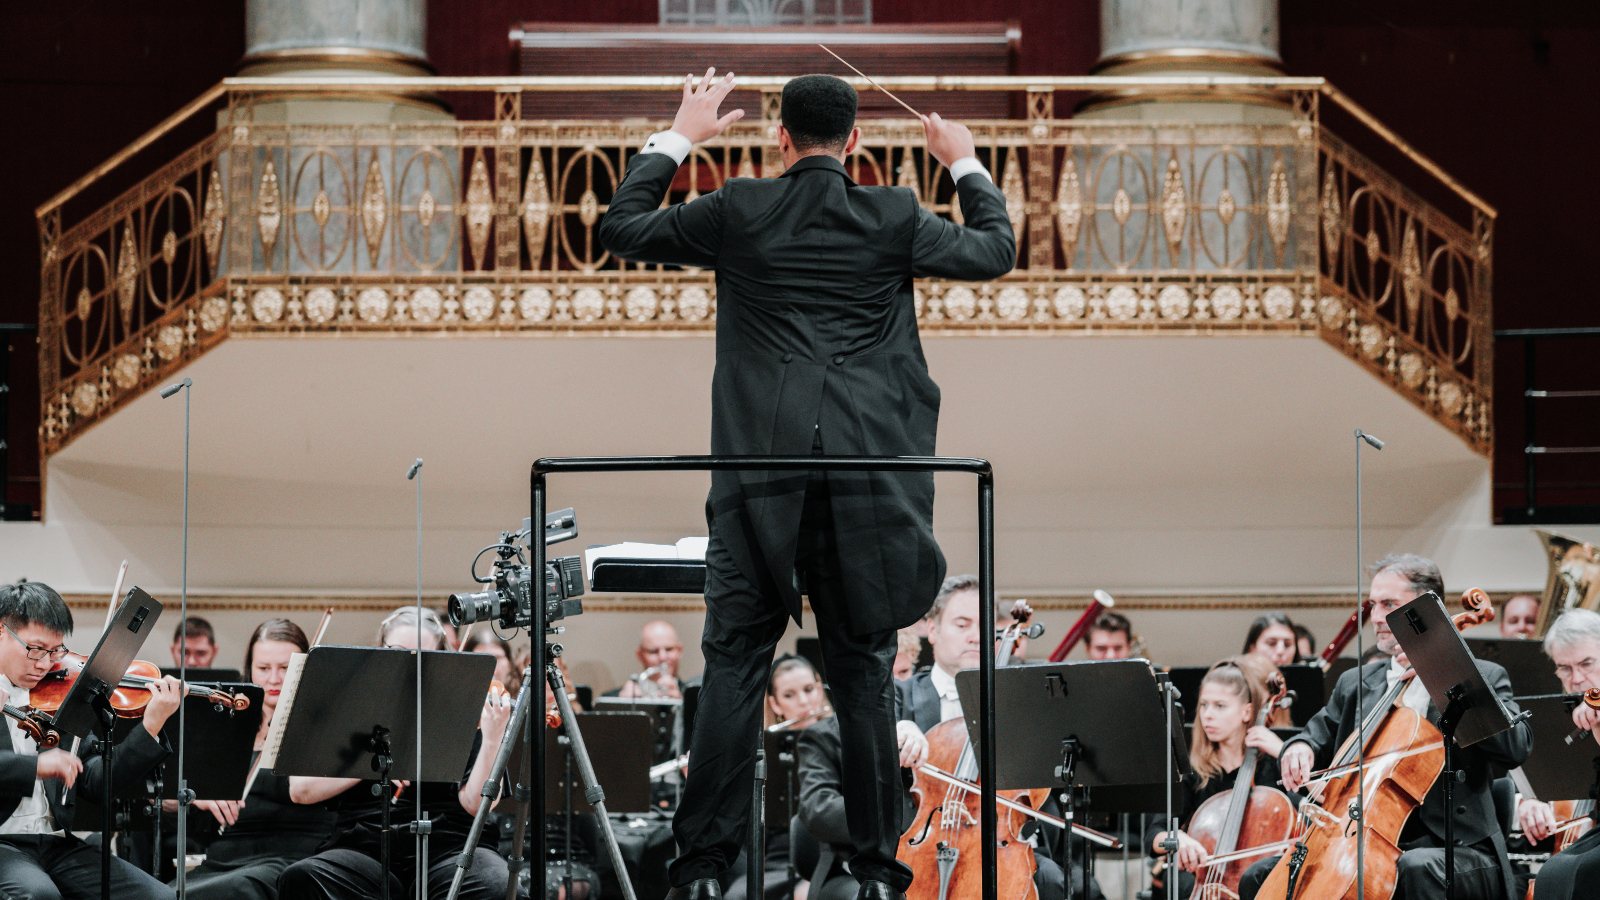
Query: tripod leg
x=491 y=786
x=592 y=790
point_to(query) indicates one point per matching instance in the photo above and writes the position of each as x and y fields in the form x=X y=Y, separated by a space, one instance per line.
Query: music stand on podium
x=87 y=706
x=1081 y=725
x=355 y=711
x=1471 y=710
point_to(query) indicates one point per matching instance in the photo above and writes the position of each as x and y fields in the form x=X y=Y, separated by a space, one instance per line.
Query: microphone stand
x=184 y=795
x=420 y=826
x=1358 y=814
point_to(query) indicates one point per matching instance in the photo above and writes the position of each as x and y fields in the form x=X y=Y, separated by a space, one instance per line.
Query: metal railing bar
x=1547 y=332
x=1553 y=450
x=542 y=468
x=1559 y=395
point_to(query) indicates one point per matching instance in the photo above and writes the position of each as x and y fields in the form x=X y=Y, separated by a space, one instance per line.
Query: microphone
x=169 y=390
x=415 y=468
x=1371 y=441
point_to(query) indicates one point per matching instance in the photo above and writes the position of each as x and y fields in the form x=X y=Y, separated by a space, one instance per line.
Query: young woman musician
x=1231 y=696
x=1272 y=637
x=348 y=864
x=265 y=834
x=795 y=700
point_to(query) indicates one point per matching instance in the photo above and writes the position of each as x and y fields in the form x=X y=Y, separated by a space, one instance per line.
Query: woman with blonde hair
x=1231 y=697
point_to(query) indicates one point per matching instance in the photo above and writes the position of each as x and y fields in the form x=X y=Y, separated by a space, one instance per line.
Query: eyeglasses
x=37 y=653
x=1587 y=667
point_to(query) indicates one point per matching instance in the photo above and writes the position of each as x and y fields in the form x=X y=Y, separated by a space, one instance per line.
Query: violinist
x=347 y=866
x=929 y=698
x=39 y=856
x=1573 y=644
x=268 y=831
x=1482 y=869
x=795 y=701
x=1231 y=697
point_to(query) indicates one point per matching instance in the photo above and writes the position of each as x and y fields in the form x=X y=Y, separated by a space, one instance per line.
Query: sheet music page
x=280 y=719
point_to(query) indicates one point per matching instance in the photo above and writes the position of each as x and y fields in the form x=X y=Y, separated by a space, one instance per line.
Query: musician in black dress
x=347 y=866
x=267 y=832
x=1225 y=730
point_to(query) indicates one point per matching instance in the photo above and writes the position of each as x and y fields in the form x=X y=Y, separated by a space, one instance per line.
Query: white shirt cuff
x=672 y=144
x=965 y=166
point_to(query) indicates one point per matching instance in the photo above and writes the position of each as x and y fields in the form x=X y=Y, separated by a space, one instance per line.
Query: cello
x=1402 y=754
x=1245 y=822
x=946 y=832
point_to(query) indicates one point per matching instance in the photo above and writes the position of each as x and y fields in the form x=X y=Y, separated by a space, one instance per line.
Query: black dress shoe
x=877 y=890
x=699 y=889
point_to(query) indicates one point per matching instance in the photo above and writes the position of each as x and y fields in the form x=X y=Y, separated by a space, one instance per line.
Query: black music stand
x=205 y=676
x=1081 y=725
x=1531 y=672
x=1557 y=770
x=87 y=706
x=1305 y=681
x=1471 y=710
x=355 y=712
x=622 y=765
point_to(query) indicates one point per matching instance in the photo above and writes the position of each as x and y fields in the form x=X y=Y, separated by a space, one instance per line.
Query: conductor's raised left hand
x=697 y=117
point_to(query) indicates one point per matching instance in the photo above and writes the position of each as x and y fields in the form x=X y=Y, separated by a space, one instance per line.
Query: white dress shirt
x=1416 y=694
x=32 y=815
x=677 y=146
x=949 y=700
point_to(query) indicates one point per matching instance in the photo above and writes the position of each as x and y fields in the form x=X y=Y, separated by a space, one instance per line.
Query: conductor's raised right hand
x=948 y=141
x=697 y=115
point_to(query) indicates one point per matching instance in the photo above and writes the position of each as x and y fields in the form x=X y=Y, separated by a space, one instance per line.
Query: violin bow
x=116 y=591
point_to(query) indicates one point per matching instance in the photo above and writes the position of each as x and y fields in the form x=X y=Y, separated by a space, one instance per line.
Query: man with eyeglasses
x=1573 y=644
x=39 y=856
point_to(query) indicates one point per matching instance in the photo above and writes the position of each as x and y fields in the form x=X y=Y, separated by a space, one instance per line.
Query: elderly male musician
x=817 y=352
x=1573 y=644
x=1482 y=870
x=39 y=856
x=659 y=653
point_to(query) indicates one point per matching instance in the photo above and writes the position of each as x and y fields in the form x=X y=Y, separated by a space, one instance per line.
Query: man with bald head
x=1519 y=618
x=659 y=653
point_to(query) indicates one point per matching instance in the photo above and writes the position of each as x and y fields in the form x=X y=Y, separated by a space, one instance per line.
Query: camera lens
x=465 y=609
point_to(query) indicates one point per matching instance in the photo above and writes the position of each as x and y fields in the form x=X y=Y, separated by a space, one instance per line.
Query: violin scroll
x=1478 y=608
x=1591 y=698
x=43 y=735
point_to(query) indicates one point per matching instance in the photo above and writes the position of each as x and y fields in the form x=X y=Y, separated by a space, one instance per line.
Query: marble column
x=1187 y=37
x=340 y=39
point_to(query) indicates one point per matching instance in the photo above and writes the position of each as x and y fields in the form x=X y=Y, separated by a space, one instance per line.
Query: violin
x=131 y=695
x=1403 y=754
x=946 y=829
x=1245 y=822
x=34 y=725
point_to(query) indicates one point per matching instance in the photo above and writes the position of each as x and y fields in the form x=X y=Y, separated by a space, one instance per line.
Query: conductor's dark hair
x=1422 y=573
x=819 y=111
x=34 y=603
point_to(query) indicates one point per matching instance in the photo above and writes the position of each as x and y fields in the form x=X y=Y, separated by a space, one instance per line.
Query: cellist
x=929 y=698
x=1231 y=696
x=1482 y=870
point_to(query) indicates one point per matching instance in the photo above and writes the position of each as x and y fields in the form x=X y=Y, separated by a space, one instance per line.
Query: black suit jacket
x=1475 y=818
x=917 y=701
x=136 y=756
x=817 y=338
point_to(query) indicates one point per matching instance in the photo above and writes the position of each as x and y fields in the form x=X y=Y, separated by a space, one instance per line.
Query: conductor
x=817 y=352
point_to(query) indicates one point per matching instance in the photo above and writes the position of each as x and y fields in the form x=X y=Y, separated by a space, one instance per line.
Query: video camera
x=510 y=600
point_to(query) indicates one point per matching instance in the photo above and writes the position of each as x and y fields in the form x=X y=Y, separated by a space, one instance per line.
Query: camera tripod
x=593 y=792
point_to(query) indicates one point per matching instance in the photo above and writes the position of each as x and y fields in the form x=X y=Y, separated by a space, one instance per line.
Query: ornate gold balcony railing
x=488 y=227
